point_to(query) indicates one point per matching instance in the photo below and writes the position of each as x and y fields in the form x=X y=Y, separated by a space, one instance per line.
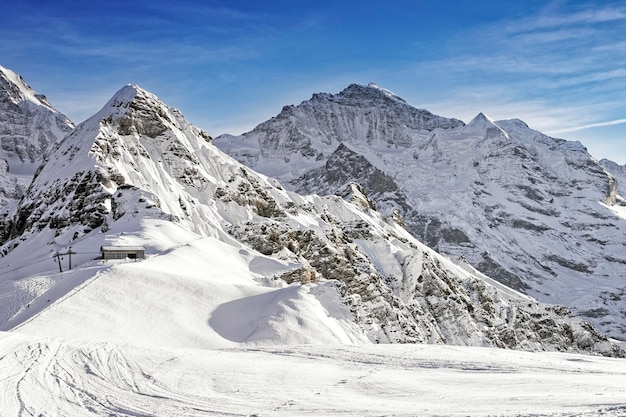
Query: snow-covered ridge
x=534 y=212
x=13 y=86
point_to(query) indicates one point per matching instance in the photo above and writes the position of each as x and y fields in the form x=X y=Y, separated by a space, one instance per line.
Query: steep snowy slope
x=224 y=243
x=28 y=126
x=536 y=213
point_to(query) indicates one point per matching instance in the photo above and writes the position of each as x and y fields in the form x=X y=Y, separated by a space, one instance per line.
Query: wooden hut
x=123 y=252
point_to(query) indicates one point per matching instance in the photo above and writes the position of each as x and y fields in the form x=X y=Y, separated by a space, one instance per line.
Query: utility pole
x=58 y=256
x=69 y=252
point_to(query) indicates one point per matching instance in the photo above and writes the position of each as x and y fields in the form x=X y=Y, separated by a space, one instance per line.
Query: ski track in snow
x=57 y=377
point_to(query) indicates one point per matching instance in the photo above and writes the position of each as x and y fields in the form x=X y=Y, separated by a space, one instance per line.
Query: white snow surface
x=61 y=377
x=191 y=291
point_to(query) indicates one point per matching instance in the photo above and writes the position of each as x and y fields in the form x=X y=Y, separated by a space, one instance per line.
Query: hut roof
x=122 y=248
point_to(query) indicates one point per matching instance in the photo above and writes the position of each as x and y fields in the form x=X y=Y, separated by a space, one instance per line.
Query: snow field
x=65 y=377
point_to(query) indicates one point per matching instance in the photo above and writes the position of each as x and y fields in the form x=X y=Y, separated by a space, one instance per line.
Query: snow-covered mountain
x=28 y=126
x=534 y=212
x=224 y=243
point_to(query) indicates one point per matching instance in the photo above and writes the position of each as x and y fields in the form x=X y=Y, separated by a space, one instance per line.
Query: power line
x=37 y=260
x=29 y=263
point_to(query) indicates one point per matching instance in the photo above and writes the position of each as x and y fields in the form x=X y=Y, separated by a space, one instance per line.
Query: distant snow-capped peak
x=29 y=126
x=17 y=90
x=482 y=121
x=485 y=126
x=386 y=92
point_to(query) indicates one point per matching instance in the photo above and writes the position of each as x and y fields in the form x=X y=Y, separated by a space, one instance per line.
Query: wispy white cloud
x=537 y=37
x=566 y=63
x=555 y=17
x=589 y=126
x=561 y=71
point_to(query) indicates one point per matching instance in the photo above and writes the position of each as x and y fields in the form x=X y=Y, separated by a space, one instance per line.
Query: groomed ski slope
x=56 y=377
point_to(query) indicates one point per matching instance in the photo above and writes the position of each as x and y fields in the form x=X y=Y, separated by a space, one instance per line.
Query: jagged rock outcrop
x=344 y=166
x=619 y=173
x=406 y=293
x=534 y=212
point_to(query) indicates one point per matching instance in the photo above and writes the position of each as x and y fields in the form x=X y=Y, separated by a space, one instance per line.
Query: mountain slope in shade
x=536 y=213
x=29 y=125
x=233 y=257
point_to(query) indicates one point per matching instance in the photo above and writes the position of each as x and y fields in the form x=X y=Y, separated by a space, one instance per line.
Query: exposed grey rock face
x=139 y=159
x=422 y=299
x=619 y=172
x=29 y=125
x=344 y=166
x=534 y=212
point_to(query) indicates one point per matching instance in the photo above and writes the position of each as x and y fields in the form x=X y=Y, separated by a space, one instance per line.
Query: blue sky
x=229 y=65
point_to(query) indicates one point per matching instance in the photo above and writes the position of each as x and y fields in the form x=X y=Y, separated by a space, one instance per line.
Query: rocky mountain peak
x=137 y=142
x=134 y=112
x=133 y=96
x=19 y=102
x=370 y=92
x=29 y=126
x=484 y=126
x=130 y=107
x=361 y=116
x=482 y=120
